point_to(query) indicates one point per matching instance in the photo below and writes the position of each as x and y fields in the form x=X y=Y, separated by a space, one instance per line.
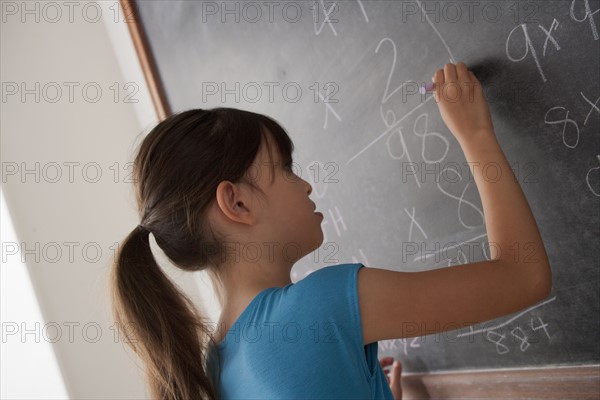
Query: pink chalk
x=428 y=88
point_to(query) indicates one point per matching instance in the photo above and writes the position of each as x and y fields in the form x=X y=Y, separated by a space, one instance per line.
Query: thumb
x=396 y=381
x=438 y=81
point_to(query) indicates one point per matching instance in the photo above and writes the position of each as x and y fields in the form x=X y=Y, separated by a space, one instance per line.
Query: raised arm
x=407 y=304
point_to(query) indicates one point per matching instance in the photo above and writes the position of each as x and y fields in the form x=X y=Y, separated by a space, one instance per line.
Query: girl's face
x=288 y=214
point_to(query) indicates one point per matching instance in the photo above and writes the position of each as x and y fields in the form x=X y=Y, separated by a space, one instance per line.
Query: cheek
x=291 y=216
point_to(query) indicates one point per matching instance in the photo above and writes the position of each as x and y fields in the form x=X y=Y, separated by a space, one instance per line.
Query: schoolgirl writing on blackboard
x=217 y=191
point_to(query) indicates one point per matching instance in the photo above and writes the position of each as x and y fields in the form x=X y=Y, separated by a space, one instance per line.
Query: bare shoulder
x=397 y=304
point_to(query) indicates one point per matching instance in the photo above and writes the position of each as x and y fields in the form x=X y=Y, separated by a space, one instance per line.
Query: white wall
x=63 y=216
x=27 y=353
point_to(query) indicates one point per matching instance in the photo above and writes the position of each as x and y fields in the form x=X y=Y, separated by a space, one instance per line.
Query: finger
x=462 y=73
x=386 y=361
x=396 y=372
x=396 y=376
x=450 y=72
x=473 y=77
x=438 y=79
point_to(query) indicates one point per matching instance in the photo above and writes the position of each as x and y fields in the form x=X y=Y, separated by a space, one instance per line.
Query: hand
x=461 y=101
x=395 y=384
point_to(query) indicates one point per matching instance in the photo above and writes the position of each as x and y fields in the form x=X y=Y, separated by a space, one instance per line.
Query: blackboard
x=389 y=177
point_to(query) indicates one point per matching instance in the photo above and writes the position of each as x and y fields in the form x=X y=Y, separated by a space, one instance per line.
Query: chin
x=318 y=242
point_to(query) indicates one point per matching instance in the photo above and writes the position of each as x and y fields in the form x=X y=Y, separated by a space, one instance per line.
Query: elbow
x=544 y=292
x=547 y=287
x=542 y=284
x=535 y=281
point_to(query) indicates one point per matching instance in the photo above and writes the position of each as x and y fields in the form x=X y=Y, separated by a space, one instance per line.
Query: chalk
x=482 y=70
x=428 y=88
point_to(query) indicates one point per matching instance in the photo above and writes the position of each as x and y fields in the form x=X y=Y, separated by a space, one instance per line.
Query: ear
x=234 y=202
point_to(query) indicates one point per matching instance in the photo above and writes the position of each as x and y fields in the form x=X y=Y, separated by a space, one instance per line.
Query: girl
x=216 y=189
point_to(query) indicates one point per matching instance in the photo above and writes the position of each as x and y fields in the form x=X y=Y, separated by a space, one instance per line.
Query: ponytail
x=176 y=172
x=159 y=323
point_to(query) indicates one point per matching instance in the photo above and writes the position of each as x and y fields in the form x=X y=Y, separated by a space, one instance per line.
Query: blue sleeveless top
x=304 y=340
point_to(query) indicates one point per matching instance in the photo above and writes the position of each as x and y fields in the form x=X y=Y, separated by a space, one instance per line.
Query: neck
x=243 y=281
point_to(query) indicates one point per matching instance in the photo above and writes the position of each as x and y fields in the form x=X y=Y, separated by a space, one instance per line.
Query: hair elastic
x=142 y=228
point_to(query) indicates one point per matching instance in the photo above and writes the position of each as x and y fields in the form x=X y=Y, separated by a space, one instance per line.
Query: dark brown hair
x=176 y=170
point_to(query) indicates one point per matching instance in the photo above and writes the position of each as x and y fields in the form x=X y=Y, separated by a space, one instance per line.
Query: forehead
x=268 y=150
